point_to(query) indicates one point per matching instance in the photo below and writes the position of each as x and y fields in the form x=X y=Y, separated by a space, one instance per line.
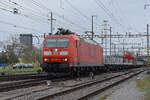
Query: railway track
x=7 y=86
x=87 y=90
x=29 y=81
x=21 y=77
x=63 y=92
x=114 y=83
x=79 y=91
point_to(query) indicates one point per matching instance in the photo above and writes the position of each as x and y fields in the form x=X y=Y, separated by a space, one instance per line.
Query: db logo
x=55 y=53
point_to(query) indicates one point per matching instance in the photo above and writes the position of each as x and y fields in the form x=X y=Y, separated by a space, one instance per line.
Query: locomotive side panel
x=90 y=55
x=100 y=50
x=73 y=49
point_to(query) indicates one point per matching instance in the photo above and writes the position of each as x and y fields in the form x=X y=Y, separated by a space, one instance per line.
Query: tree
x=9 y=49
x=31 y=55
x=11 y=56
x=14 y=50
x=3 y=57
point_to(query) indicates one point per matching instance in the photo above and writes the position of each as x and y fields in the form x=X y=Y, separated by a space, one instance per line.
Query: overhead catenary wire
x=116 y=10
x=18 y=14
x=77 y=10
x=31 y=16
x=38 y=16
x=19 y=26
x=58 y=15
x=116 y=4
x=81 y=13
x=5 y=4
x=109 y=13
x=62 y=17
x=15 y=32
x=25 y=15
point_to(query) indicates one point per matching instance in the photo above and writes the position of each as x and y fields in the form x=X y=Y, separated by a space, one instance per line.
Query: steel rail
x=94 y=93
x=79 y=87
x=21 y=84
x=20 y=77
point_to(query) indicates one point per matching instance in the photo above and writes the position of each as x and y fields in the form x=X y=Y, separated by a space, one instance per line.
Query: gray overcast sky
x=123 y=15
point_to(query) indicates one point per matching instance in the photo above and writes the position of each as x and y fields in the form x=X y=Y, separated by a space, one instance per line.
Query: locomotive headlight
x=56 y=50
x=46 y=53
x=46 y=59
x=63 y=52
x=65 y=59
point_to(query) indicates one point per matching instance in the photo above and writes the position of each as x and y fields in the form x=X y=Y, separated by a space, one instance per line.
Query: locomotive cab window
x=50 y=42
x=57 y=42
x=62 y=42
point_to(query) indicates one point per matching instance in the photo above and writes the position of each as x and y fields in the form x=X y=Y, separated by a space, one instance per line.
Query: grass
x=147 y=97
x=106 y=75
x=18 y=70
x=144 y=85
x=104 y=97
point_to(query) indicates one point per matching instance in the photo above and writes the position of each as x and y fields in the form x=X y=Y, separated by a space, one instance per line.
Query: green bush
x=18 y=70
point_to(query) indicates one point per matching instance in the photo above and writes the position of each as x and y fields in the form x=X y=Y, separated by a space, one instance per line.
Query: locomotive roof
x=75 y=37
x=130 y=56
x=90 y=41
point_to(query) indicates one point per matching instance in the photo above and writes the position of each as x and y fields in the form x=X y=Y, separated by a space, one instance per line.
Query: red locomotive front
x=58 y=52
x=128 y=58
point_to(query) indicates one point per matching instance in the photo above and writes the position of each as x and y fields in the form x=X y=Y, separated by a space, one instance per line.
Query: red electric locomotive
x=128 y=59
x=66 y=52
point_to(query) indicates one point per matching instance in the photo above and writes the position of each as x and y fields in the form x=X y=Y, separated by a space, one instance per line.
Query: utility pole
x=115 y=49
x=92 y=27
x=51 y=20
x=123 y=47
x=52 y=23
x=102 y=38
x=110 y=39
x=148 y=59
x=147 y=35
x=105 y=32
